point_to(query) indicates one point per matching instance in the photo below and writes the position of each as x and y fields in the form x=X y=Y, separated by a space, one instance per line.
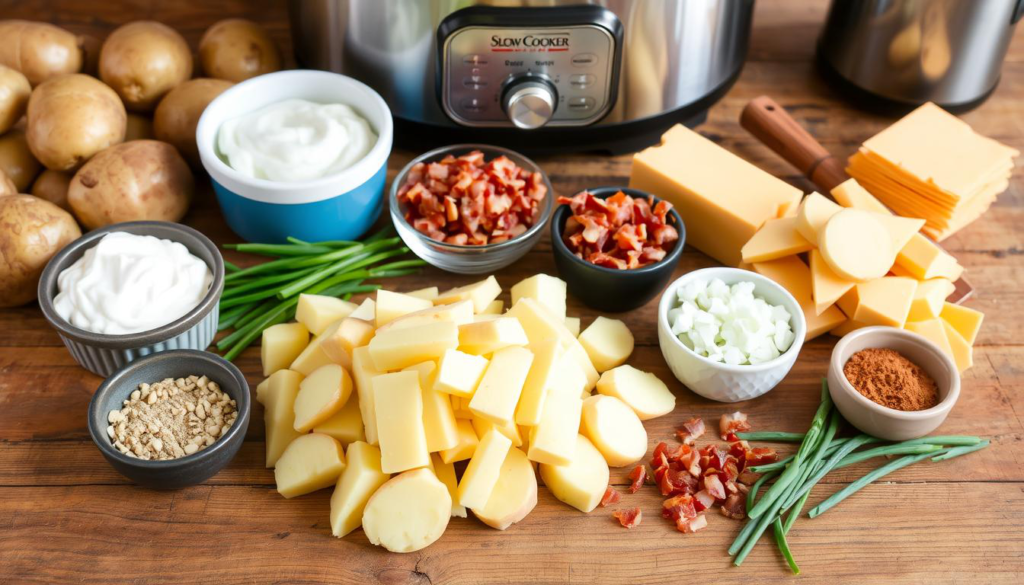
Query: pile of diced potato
x=388 y=395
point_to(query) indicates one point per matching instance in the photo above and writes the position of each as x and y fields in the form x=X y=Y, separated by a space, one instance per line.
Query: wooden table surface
x=67 y=516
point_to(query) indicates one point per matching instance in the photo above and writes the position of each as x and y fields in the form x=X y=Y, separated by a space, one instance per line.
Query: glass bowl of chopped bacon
x=470 y=208
x=616 y=248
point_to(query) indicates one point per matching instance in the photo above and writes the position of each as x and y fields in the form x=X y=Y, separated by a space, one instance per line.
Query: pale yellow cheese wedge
x=573 y=325
x=775 y=239
x=398 y=402
x=826 y=286
x=459 y=373
x=408 y=513
x=350 y=334
x=395 y=349
x=460 y=313
x=553 y=440
x=850 y=193
x=446 y=473
x=346 y=425
x=392 y=305
x=962 y=352
x=281 y=344
x=278 y=399
x=495 y=308
x=815 y=211
x=363 y=374
x=514 y=495
x=543 y=375
x=310 y=463
x=480 y=293
x=901 y=229
x=429 y=293
x=644 y=392
x=929 y=298
x=795 y=276
x=498 y=393
x=484 y=467
x=367 y=311
x=856 y=245
x=467 y=443
x=316 y=312
x=314 y=355
x=360 y=479
x=511 y=430
x=614 y=429
x=490 y=335
x=608 y=343
x=965 y=320
x=882 y=301
x=933 y=330
x=546 y=290
x=323 y=393
x=582 y=483
x=924 y=260
x=438 y=417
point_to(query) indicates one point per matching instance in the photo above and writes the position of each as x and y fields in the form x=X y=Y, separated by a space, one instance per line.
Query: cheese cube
x=323 y=393
x=815 y=211
x=363 y=374
x=850 y=193
x=647 y=395
x=775 y=239
x=446 y=473
x=484 y=337
x=702 y=180
x=883 y=301
x=498 y=393
x=367 y=311
x=495 y=308
x=310 y=463
x=481 y=293
x=553 y=441
x=924 y=260
x=395 y=349
x=966 y=321
x=581 y=483
x=511 y=430
x=278 y=399
x=360 y=479
x=438 y=417
x=466 y=446
x=963 y=353
x=459 y=313
x=408 y=513
x=546 y=290
x=933 y=330
x=484 y=467
x=543 y=375
x=314 y=355
x=459 y=373
x=795 y=276
x=392 y=305
x=826 y=286
x=346 y=425
x=399 y=404
x=282 y=343
x=608 y=343
x=316 y=312
x=515 y=494
x=429 y=293
x=349 y=334
x=929 y=298
x=573 y=325
x=614 y=429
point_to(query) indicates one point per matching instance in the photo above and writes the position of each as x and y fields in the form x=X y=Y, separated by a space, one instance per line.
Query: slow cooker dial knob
x=529 y=102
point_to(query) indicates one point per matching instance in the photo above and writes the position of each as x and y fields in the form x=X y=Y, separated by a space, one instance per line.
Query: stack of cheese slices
x=932 y=165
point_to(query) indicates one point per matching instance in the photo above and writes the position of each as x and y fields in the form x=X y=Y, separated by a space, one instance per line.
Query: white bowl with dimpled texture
x=717 y=380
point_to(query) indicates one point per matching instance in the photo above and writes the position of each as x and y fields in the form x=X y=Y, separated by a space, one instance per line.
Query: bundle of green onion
x=821 y=452
x=257 y=297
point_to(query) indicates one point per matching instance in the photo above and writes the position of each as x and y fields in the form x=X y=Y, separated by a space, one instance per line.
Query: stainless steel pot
x=907 y=52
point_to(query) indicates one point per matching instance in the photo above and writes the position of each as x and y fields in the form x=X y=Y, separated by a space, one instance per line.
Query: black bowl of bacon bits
x=616 y=248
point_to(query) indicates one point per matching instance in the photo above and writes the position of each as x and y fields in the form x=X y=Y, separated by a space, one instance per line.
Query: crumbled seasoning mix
x=171 y=418
x=888 y=378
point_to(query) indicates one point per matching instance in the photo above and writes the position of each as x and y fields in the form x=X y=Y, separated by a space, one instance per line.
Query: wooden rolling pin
x=773 y=126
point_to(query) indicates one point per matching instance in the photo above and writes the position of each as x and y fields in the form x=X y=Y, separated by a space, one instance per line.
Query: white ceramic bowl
x=720 y=381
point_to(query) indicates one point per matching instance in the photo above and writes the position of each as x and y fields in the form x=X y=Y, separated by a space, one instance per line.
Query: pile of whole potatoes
x=94 y=133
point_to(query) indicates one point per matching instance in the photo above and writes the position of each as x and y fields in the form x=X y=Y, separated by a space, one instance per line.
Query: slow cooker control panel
x=528 y=77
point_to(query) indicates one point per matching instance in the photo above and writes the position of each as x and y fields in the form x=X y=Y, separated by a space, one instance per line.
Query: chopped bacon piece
x=702 y=500
x=638 y=477
x=692 y=525
x=629 y=517
x=681 y=452
x=761 y=456
x=692 y=430
x=733 y=423
x=692 y=463
x=610 y=497
x=677 y=507
x=713 y=485
x=619 y=232
x=674 y=481
x=660 y=449
x=715 y=457
x=734 y=506
x=748 y=477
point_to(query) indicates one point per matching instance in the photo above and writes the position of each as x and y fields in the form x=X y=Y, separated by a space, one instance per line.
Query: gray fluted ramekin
x=104 y=354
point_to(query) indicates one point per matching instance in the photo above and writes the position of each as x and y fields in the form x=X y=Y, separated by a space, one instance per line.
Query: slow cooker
x=533 y=75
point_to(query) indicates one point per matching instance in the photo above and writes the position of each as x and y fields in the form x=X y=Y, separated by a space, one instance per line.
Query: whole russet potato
x=16 y=160
x=39 y=50
x=7 y=186
x=71 y=118
x=177 y=116
x=53 y=187
x=14 y=92
x=31 y=232
x=137 y=180
x=237 y=49
x=142 y=61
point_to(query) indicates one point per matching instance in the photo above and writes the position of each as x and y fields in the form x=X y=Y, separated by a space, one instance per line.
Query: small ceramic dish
x=340 y=206
x=881 y=421
x=469 y=259
x=103 y=354
x=717 y=380
x=187 y=470
x=608 y=289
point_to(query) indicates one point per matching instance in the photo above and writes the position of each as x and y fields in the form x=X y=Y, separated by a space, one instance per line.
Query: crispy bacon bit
x=692 y=525
x=638 y=477
x=713 y=485
x=734 y=507
x=675 y=481
x=629 y=517
x=748 y=477
x=702 y=500
x=610 y=497
x=619 y=232
x=730 y=424
x=692 y=430
x=468 y=201
x=677 y=507
x=760 y=456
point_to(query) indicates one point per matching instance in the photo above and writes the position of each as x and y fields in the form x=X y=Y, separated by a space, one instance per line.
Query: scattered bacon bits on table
x=692 y=430
x=638 y=476
x=610 y=497
x=466 y=200
x=730 y=424
x=629 y=517
x=620 y=232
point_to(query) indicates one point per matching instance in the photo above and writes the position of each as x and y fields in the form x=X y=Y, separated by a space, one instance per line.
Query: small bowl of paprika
x=891 y=383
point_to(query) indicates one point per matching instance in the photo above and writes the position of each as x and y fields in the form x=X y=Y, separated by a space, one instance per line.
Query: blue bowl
x=340 y=206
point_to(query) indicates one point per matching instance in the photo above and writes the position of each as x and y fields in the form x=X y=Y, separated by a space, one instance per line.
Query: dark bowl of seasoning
x=892 y=383
x=610 y=285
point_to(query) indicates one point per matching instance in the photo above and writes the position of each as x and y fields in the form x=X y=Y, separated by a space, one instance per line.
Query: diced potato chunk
x=490 y=335
x=363 y=374
x=496 y=397
x=544 y=374
x=316 y=312
x=538 y=322
x=514 y=495
x=346 y=425
x=350 y=334
x=367 y=311
x=481 y=293
x=429 y=293
x=310 y=463
x=321 y=395
x=277 y=394
x=547 y=290
x=446 y=473
x=459 y=313
x=360 y=479
x=459 y=373
x=511 y=430
x=392 y=305
x=399 y=405
x=282 y=343
x=573 y=325
x=408 y=513
x=438 y=417
x=582 y=483
x=481 y=474
x=395 y=349
x=574 y=350
x=314 y=355
x=614 y=429
x=553 y=441
x=467 y=443
x=608 y=343
x=648 y=396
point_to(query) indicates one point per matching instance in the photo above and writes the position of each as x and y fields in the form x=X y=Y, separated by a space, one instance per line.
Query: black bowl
x=187 y=470
x=608 y=289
